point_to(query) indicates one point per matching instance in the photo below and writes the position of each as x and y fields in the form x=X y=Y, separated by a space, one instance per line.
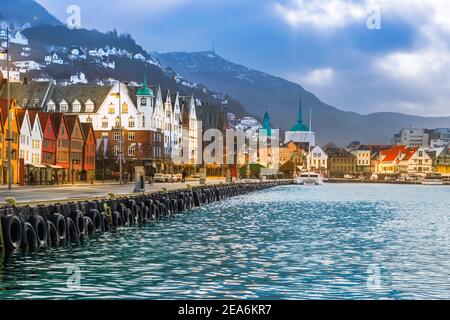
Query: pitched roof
x=394 y=153
x=33 y=117
x=338 y=152
x=43 y=118
x=71 y=120
x=57 y=118
x=86 y=128
x=30 y=95
x=4 y=109
x=97 y=94
x=20 y=116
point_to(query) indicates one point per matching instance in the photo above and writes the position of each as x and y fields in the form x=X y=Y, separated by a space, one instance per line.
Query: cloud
x=321 y=13
x=317 y=78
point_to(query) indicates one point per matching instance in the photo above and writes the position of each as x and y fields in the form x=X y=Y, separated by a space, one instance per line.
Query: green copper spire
x=300 y=126
x=145 y=90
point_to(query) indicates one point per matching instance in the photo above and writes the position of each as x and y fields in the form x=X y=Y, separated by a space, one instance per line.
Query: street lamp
x=6 y=51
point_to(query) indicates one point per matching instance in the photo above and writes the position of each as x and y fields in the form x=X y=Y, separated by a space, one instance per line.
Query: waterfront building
x=23 y=120
x=415 y=161
x=317 y=160
x=412 y=137
x=340 y=162
x=443 y=161
x=388 y=159
x=76 y=146
x=411 y=161
x=62 y=165
x=89 y=152
x=34 y=170
x=190 y=122
x=14 y=141
x=363 y=156
x=48 y=157
x=300 y=133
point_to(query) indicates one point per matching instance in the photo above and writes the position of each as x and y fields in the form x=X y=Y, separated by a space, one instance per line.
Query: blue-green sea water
x=327 y=242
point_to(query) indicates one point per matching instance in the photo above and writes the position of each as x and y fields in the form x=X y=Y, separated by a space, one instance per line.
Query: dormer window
x=51 y=107
x=76 y=106
x=64 y=106
x=89 y=106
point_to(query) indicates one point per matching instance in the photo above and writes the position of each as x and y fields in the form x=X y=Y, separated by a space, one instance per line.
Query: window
x=105 y=122
x=131 y=136
x=76 y=106
x=125 y=107
x=116 y=150
x=131 y=150
x=111 y=109
x=143 y=121
x=116 y=135
x=64 y=106
x=89 y=106
x=117 y=122
x=89 y=119
x=131 y=122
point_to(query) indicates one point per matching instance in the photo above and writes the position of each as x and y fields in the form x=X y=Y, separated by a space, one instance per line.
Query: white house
x=78 y=78
x=25 y=149
x=37 y=137
x=27 y=65
x=54 y=58
x=18 y=38
x=317 y=160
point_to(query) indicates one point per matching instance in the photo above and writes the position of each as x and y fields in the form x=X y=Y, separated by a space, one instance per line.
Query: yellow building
x=443 y=162
x=14 y=142
x=290 y=151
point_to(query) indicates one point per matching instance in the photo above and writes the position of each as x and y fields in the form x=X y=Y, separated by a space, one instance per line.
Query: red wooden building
x=89 y=152
x=62 y=147
x=76 y=146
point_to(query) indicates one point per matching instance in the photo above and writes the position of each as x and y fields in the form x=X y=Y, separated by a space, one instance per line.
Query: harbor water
x=336 y=241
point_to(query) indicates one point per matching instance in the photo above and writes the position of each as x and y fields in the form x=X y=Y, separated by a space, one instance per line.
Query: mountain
x=116 y=57
x=258 y=91
x=23 y=12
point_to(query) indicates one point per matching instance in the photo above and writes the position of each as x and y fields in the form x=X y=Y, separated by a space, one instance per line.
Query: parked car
x=178 y=177
x=159 y=177
x=167 y=177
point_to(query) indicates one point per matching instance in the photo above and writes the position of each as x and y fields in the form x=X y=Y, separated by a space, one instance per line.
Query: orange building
x=14 y=142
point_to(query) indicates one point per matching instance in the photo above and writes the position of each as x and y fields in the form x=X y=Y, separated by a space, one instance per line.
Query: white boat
x=309 y=178
x=432 y=182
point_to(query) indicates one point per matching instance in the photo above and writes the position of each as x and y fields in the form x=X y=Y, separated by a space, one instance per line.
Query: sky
x=360 y=55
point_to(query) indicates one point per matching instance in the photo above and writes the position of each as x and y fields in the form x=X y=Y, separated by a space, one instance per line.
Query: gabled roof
x=30 y=95
x=43 y=118
x=57 y=118
x=97 y=94
x=4 y=109
x=33 y=117
x=21 y=116
x=338 y=152
x=71 y=120
x=85 y=129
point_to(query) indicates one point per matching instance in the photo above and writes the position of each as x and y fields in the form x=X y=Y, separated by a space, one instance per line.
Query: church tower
x=144 y=96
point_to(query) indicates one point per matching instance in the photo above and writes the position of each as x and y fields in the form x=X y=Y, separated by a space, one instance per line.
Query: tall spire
x=145 y=78
x=300 y=118
x=145 y=90
x=299 y=126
